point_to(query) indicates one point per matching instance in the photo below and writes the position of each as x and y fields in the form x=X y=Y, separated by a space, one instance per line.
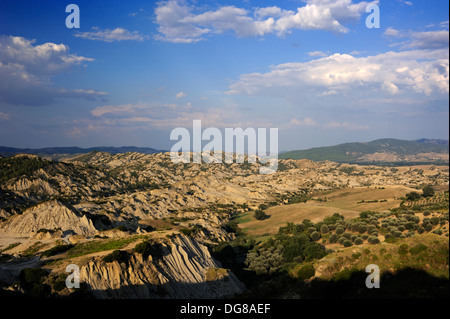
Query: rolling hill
x=386 y=150
x=58 y=152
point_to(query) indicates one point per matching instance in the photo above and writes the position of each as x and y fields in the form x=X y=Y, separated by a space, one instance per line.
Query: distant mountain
x=386 y=150
x=433 y=141
x=56 y=152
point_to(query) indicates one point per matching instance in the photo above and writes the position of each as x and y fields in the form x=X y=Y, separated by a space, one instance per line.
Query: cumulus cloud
x=416 y=71
x=107 y=35
x=180 y=95
x=181 y=22
x=26 y=70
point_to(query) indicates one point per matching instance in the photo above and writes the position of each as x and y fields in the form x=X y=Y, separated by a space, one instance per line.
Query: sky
x=135 y=70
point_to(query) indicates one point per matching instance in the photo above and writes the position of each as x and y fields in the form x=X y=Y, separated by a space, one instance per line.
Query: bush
x=428 y=191
x=434 y=221
x=334 y=238
x=373 y=240
x=31 y=280
x=341 y=240
x=117 y=255
x=324 y=229
x=306 y=272
x=314 y=251
x=412 y=196
x=358 y=241
x=315 y=236
x=260 y=215
x=340 y=230
x=347 y=243
x=417 y=249
x=56 y=250
x=347 y=235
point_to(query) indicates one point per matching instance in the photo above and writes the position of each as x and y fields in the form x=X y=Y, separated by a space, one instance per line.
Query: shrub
x=324 y=229
x=56 y=250
x=412 y=196
x=434 y=221
x=428 y=191
x=358 y=241
x=397 y=234
x=373 y=240
x=315 y=236
x=311 y=230
x=117 y=255
x=341 y=240
x=314 y=251
x=260 y=215
x=306 y=272
x=340 y=230
x=362 y=228
x=417 y=249
x=333 y=238
x=347 y=243
x=347 y=236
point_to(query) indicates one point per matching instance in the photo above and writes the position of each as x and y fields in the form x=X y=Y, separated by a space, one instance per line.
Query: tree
x=428 y=191
x=412 y=196
x=315 y=236
x=307 y=271
x=324 y=229
x=334 y=238
x=260 y=215
x=340 y=230
x=347 y=243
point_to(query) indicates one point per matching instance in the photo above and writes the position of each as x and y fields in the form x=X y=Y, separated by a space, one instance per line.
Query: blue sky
x=135 y=70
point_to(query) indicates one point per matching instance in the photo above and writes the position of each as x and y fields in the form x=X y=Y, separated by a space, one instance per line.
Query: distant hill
x=58 y=152
x=386 y=150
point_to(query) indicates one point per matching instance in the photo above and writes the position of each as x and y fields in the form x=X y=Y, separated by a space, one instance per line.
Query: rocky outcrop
x=183 y=269
x=48 y=215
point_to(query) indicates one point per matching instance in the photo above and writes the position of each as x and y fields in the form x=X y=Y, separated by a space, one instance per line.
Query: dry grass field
x=347 y=202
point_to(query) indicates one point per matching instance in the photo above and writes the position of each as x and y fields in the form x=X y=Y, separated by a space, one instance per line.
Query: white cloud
x=391 y=32
x=107 y=35
x=417 y=71
x=179 y=21
x=26 y=70
x=317 y=54
x=430 y=39
x=390 y=87
x=4 y=116
x=347 y=126
x=142 y=115
x=180 y=95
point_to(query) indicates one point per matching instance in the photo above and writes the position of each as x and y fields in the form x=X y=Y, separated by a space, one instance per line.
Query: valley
x=139 y=226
